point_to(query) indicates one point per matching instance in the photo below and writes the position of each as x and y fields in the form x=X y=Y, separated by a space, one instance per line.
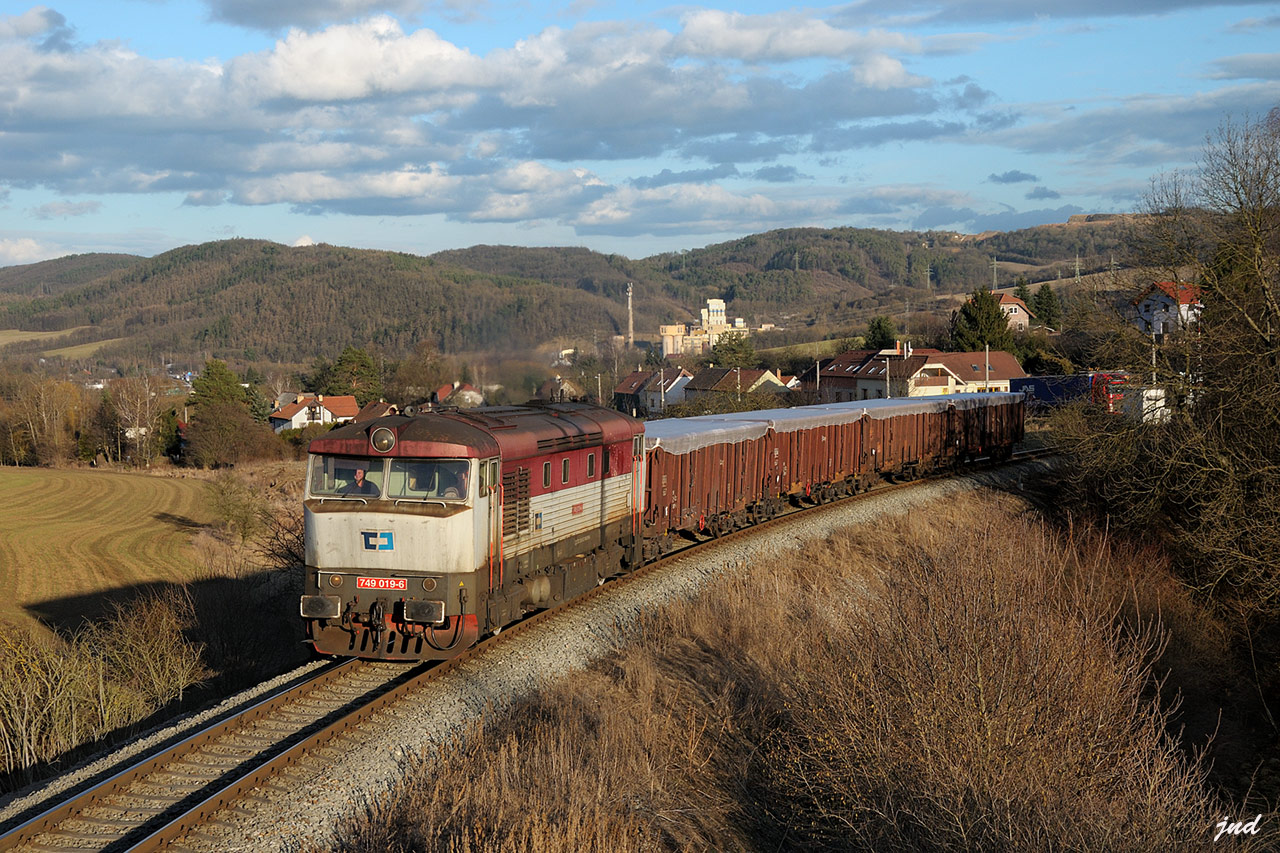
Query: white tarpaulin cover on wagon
x=684 y=435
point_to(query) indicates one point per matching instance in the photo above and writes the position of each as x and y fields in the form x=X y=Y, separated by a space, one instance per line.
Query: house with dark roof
x=649 y=392
x=907 y=372
x=731 y=380
x=375 y=409
x=558 y=390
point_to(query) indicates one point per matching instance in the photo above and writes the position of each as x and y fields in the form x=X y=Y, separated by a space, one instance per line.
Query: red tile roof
x=1177 y=291
x=1010 y=299
x=971 y=366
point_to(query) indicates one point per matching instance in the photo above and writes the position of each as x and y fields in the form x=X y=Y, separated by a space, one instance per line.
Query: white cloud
x=36 y=21
x=371 y=58
x=711 y=33
x=694 y=209
x=883 y=72
x=23 y=250
x=304 y=240
x=319 y=187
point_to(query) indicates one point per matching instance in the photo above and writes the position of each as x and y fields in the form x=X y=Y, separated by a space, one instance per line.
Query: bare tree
x=51 y=410
x=137 y=400
x=1209 y=479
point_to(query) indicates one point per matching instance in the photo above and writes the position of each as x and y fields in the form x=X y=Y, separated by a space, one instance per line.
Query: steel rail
x=75 y=804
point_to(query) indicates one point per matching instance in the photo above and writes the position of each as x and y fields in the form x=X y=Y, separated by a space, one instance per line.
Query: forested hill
x=49 y=278
x=261 y=301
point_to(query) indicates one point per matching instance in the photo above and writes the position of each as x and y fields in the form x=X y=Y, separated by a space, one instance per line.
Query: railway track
x=168 y=799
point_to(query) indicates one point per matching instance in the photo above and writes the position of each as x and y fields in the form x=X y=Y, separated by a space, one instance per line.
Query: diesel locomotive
x=426 y=532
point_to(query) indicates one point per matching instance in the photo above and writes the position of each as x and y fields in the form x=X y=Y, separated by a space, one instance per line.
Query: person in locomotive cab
x=359 y=485
x=458 y=489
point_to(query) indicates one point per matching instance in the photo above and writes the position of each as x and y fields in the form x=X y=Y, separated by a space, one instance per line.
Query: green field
x=67 y=536
x=14 y=336
x=82 y=350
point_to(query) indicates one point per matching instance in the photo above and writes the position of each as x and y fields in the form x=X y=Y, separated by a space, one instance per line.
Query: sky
x=633 y=128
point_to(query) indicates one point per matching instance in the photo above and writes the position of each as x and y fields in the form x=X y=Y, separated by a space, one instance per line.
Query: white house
x=317 y=409
x=1166 y=306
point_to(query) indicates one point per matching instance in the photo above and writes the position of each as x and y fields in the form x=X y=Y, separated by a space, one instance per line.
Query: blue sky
x=637 y=128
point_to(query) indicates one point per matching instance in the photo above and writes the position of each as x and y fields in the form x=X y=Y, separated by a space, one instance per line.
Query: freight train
x=425 y=533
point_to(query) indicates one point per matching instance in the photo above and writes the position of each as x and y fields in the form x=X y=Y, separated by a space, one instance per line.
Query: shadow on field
x=246 y=627
x=181 y=522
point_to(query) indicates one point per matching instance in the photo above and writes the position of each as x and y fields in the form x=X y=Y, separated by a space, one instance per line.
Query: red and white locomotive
x=425 y=533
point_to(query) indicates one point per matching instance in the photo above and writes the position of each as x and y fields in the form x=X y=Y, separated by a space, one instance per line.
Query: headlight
x=429 y=584
x=335 y=581
x=382 y=439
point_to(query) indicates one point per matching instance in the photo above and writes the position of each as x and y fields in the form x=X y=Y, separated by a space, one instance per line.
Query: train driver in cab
x=359 y=485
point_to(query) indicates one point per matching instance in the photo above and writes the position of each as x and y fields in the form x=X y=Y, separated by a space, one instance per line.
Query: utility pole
x=986 y=381
x=888 y=389
x=599 y=394
x=993 y=272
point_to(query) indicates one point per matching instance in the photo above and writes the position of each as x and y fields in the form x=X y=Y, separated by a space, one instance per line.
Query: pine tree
x=733 y=349
x=354 y=373
x=1023 y=292
x=980 y=323
x=217 y=384
x=882 y=333
x=1047 y=308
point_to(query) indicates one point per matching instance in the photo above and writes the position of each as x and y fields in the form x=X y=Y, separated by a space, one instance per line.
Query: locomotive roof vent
x=382 y=439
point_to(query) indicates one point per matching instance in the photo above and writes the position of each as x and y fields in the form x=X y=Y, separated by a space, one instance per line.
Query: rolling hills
x=257 y=301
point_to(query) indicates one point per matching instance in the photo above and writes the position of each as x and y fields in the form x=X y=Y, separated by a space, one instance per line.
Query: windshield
x=427 y=479
x=354 y=476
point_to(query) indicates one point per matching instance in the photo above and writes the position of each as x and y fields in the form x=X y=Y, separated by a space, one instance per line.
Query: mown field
x=68 y=536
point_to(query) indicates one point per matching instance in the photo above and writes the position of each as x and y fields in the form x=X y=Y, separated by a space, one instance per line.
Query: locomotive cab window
x=345 y=476
x=488 y=475
x=546 y=475
x=564 y=470
x=428 y=479
x=591 y=466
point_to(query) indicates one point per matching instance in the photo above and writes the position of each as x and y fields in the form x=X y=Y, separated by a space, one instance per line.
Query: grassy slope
x=68 y=533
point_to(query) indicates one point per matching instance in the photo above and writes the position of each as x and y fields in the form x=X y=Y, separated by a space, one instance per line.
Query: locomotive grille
x=515 y=501
x=567 y=442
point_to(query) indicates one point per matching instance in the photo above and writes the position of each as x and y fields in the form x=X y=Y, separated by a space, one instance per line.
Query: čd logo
x=378 y=540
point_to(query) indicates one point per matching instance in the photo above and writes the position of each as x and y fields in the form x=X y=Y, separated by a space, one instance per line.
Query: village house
x=731 y=380
x=1166 y=306
x=907 y=372
x=309 y=409
x=558 y=390
x=1016 y=312
x=375 y=409
x=649 y=392
x=461 y=394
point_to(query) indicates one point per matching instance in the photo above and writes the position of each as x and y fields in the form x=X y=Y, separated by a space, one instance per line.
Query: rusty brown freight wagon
x=715 y=473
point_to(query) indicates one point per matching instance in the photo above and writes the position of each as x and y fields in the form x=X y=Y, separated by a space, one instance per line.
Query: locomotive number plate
x=382 y=583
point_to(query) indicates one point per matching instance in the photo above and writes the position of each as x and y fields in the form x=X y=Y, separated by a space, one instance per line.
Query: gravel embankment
x=361 y=766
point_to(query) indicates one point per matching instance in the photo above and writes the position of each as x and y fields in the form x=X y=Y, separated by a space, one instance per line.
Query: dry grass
x=15 y=336
x=963 y=679
x=56 y=695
